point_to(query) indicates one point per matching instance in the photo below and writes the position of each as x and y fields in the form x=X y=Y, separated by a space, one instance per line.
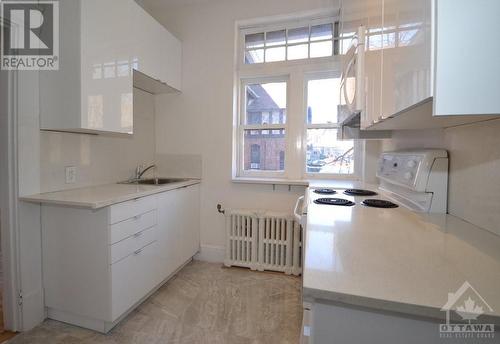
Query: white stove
x=411 y=183
x=416 y=180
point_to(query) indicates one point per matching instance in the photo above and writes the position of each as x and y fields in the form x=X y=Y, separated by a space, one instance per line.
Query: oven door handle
x=298 y=205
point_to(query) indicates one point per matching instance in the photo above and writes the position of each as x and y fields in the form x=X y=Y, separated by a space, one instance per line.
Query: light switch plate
x=70 y=174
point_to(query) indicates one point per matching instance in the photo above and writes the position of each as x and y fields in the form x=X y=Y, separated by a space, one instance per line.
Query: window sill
x=270 y=181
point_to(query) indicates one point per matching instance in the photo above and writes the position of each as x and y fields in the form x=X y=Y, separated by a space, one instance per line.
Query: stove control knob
x=411 y=163
x=408 y=175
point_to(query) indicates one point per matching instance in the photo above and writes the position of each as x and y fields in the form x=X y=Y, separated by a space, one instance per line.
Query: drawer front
x=133 y=278
x=129 y=209
x=132 y=244
x=136 y=224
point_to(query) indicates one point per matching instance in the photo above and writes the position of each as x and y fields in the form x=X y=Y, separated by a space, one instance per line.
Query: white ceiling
x=171 y=3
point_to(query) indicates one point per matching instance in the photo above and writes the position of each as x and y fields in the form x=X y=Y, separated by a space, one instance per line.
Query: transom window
x=314 y=40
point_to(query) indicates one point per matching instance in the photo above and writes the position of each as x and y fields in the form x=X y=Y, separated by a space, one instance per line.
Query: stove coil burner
x=334 y=201
x=378 y=203
x=359 y=192
x=325 y=191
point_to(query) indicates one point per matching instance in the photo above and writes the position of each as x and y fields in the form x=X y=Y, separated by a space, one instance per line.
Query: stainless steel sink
x=156 y=181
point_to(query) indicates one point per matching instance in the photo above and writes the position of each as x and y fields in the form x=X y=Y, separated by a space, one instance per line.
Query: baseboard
x=212 y=254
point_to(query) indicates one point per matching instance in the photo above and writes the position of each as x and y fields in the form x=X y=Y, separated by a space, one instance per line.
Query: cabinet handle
x=138 y=252
x=138 y=234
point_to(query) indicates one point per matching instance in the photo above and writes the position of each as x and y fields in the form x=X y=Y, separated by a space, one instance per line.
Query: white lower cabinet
x=179 y=226
x=99 y=264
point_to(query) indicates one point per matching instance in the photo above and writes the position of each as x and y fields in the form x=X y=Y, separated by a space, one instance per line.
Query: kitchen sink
x=156 y=181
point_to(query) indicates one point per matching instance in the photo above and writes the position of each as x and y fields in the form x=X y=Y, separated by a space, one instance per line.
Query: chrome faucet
x=139 y=172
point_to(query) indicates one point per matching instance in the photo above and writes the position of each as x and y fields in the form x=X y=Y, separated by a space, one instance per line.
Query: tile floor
x=204 y=303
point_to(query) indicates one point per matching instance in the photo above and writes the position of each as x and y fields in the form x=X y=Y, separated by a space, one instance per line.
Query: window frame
x=287 y=25
x=357 y=148
x=241 y=127
x=295 y=73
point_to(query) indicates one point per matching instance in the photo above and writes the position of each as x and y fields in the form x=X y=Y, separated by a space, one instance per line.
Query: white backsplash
x=474 y=179
x=179 y=165
x=98 y=159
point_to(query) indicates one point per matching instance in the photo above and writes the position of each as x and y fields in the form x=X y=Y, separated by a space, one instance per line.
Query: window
x=324 y=153
x=316 y=39
x=286 y=122
x=262 y=126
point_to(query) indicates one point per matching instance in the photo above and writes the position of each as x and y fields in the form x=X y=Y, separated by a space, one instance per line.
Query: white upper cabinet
x=103 y=44
x=428 y=63
x=157 y=52
x=467 y=71
x=406 y=52
x=106 y=66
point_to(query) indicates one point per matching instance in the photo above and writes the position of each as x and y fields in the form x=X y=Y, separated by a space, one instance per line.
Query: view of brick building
x=264 y=149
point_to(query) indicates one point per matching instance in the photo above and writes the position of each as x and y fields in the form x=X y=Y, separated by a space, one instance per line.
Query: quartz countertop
x=100 y=196
x=396 y=260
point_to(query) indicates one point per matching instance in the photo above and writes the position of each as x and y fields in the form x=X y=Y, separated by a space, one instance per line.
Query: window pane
x=255 y=40
x=296 y=52
x=275 y=54
x=266 y=103
x=275 y=38
x=321 y=32
x=299 y=35
x=264 y=150
x=321 y=49
x=323 y=100
x=254 y=56
x=326 y=154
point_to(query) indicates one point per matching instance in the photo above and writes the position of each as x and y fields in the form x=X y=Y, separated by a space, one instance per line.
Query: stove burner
x=378 y=203
x=359 y=192
x=325 y=191
x=334 y=201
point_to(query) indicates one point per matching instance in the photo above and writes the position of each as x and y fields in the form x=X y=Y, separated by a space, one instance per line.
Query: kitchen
x=203 y=136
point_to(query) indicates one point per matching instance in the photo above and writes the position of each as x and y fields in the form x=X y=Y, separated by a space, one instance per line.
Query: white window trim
x=358 y=146
x=285 y=25
x=241 y=127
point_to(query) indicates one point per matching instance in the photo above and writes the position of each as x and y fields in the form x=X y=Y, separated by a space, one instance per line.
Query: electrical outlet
x=70 y=174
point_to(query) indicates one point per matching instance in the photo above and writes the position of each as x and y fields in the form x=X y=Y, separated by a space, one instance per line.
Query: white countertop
x=100 y=196
x=397 y=260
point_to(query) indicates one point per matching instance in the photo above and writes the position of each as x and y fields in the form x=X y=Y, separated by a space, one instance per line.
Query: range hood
x=350 y=127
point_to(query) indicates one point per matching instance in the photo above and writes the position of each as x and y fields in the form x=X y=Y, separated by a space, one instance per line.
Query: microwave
x=352 y=91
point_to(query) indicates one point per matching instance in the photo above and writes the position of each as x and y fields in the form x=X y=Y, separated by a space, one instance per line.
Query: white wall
x=199 y=121
x=474 y=179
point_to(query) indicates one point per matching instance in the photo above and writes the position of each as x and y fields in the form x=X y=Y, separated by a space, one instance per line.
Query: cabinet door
x=373 y=62
x=145 y=42
x=178 y=226
x=406 y=56
x=106 y=79
x=169 y=241
x=190 y=219
x=171 y=60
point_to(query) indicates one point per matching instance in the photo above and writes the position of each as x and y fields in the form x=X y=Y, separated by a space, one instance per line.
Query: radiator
x=263 y=241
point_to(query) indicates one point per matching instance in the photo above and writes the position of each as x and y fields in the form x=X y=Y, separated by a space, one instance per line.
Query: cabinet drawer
x=129 y=209
x=136 y=224
x=133 y=278
x=132 y=244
